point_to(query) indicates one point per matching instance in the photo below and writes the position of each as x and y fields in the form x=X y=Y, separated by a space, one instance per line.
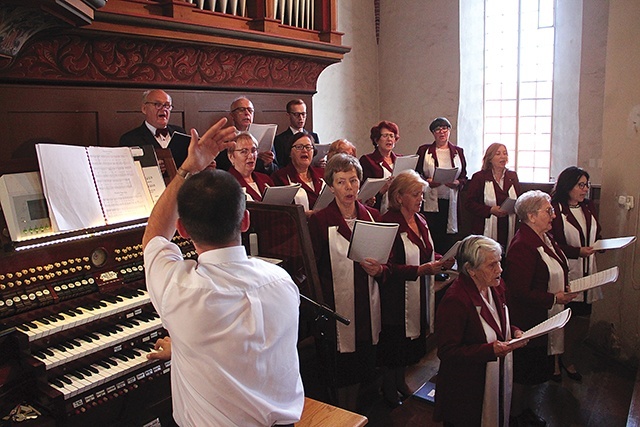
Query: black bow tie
x=164 y=132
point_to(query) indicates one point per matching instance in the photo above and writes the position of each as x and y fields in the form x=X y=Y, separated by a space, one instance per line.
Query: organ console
x=76 y=322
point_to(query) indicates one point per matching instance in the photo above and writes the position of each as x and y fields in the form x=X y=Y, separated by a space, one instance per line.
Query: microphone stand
x=323 y=310
x=326 y=354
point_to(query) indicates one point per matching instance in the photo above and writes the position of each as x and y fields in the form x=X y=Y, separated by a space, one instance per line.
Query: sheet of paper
x=68 y=186
x=404 y=163
x=123 y=194
x=264 y=134
x=445 y=176
x=280 y=195
x=323 y=200
x=370 y=188
x=321 y=151
x=146 y=156
x=594 y=280
x=453 y=250
x=615 y=243
x=551 y=324
x=371 y=240
x=508 y=205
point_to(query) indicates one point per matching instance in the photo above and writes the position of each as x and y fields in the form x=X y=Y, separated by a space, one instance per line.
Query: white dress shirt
x=233 y=323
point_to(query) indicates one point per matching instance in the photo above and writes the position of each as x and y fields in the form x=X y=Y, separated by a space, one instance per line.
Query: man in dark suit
x=156 y=130
x=297 y=112
x=241 y=113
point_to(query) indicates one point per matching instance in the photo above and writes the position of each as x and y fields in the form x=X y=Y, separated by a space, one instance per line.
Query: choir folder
x=88 y=187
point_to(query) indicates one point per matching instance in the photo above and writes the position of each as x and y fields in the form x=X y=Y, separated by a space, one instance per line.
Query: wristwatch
x=183 y=173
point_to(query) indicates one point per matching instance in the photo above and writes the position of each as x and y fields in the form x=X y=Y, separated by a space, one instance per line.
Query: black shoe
x=529 y=418
x=393 y=403
x=576 y=376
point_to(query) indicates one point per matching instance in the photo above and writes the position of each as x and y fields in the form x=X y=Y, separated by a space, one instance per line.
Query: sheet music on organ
x=88 y=187
x=594 y=280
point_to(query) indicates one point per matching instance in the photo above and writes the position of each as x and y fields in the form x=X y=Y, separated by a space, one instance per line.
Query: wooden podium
x=320 y=414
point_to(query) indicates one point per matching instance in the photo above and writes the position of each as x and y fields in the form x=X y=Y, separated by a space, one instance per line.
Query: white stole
x=431 y=194
x=556 y=284
x=491 y=401
x=572 y=235
x=412 y=292
x=491 y=223
x=344 y=296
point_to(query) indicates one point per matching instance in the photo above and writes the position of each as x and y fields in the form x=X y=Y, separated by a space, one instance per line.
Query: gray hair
x=341 y=162
x=473 y=251
x=529 y=203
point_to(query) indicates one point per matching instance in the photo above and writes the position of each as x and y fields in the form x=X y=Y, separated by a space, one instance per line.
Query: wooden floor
x=602 y=399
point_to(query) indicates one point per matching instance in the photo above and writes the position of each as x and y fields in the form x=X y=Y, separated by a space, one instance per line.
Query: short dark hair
x=439 y=122
x=376 y=131
x=567 y=179
x=211 y=205
x=294 y=102
x=297 y=136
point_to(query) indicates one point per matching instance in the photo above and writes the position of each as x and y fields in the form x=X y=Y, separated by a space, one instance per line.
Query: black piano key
x=65 y=379
x=56 y=382
x=92 y=369
x=77 y=374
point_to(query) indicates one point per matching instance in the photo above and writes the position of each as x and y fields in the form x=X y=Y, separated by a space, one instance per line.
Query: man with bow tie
x=156 y=130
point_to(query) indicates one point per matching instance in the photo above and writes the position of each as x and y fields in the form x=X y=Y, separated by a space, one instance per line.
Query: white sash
x=491 y=401
x=572 y=235
x=491 y=223
x=344 y=297
x=431 y=194
x=411 y=290
x=556 y=284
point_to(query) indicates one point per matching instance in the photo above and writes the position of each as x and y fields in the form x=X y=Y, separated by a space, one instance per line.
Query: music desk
x=316 y=414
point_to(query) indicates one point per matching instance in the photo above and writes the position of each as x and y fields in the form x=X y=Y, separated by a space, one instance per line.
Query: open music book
x=614 y=243
x=280 y=195
x=404 y=163
x=551 y=324
x=89 y=187
x=372 y=240
x=264 y=134
x=370 y=188
x=594 y=280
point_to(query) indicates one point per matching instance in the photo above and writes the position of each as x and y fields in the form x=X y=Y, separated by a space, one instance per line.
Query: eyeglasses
x=246 y=151
x=298 y=115
x=441 y=129
x=161 y=105
x=550 y=211
x=303 y=147
x=243 y=109
x=388 y=135
x=583 y=185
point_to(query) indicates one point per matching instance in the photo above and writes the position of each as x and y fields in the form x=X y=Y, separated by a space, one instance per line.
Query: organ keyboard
x=78 y=324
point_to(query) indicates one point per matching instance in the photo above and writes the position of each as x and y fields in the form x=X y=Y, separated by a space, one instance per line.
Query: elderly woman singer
x=537 y=279
x=350 y=288
x=243 y=161
x=472 y=332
